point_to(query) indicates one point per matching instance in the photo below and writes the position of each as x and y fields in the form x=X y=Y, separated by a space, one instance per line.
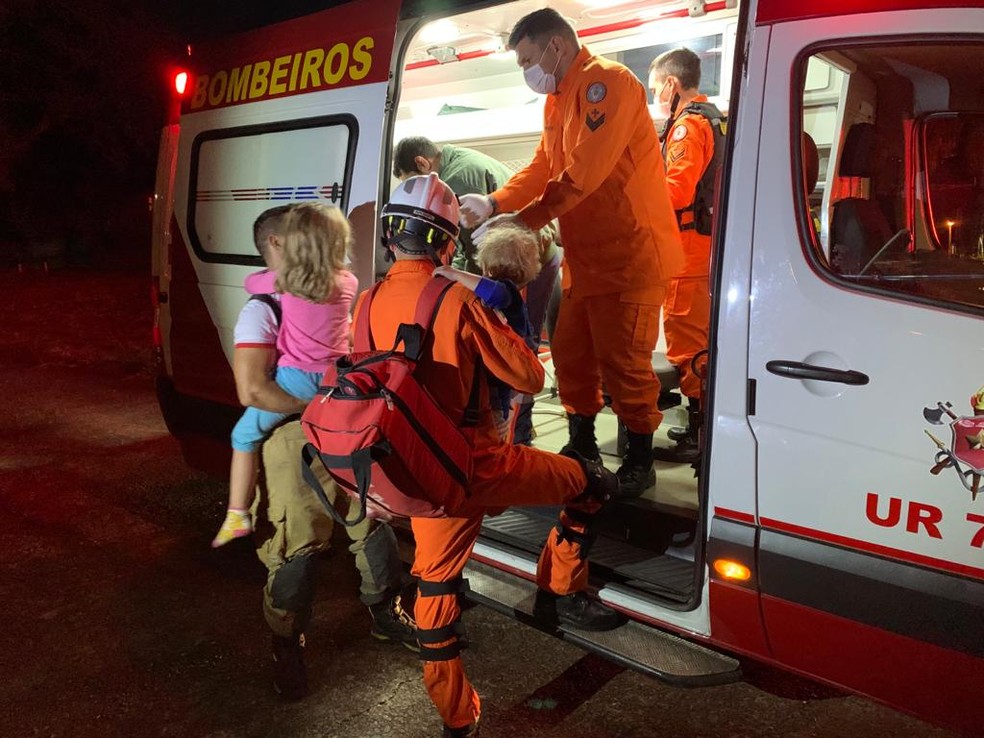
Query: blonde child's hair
x=316 y=243
x=510 y=252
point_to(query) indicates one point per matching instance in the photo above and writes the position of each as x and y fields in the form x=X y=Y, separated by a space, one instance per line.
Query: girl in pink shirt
x=316 y=298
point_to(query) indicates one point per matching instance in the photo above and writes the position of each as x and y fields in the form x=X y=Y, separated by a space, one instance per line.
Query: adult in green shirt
x=470 y=172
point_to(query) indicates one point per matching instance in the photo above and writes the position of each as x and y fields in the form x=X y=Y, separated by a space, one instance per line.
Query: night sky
x=83 y=94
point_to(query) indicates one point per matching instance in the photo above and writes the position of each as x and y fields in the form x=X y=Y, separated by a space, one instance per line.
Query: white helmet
x=421 y=216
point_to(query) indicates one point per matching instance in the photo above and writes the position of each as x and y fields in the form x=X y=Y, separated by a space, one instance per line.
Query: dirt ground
x=118 y=620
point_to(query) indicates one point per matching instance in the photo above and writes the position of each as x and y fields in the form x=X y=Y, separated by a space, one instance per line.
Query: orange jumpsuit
x=687 y=309
x=464 y=333
x=598 y=170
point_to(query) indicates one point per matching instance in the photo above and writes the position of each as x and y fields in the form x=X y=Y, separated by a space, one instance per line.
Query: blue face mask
x=540 y=81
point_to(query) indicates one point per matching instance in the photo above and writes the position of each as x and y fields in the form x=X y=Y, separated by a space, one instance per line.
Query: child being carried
x=316 y=296
x=509 y=257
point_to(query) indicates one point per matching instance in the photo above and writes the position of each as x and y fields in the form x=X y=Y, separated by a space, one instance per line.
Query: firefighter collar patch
x=596 y=92
x=679 y=133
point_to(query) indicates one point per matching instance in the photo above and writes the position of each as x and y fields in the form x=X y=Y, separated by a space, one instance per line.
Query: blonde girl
x=316 y=294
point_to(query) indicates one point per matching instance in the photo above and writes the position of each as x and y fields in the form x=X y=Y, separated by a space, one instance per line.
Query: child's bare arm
x=468 y=279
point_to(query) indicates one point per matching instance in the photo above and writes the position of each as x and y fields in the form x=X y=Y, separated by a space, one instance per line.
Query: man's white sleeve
x=256 y=326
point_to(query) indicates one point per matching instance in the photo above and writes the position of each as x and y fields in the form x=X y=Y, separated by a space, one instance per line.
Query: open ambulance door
x=291 y=112
x=459 y=85
x=865 y=343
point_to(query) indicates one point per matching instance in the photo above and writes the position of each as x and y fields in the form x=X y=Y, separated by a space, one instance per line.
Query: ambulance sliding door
x=292 y=112
x=866 y=341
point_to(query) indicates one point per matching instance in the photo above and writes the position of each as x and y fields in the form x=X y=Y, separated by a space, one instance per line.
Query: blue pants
x=255 y=425
x=537 y=297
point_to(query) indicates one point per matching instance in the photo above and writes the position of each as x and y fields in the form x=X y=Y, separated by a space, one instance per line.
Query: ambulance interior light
x=440 y=32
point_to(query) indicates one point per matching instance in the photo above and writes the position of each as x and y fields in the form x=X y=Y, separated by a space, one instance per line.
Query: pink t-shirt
x=312 y=335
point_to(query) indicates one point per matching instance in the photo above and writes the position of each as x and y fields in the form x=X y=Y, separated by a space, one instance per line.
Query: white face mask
x=544 y=83
x=665 y=106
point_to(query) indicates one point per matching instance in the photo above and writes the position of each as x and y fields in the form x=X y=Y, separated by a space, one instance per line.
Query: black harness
x=703 y=204
x=271 y=302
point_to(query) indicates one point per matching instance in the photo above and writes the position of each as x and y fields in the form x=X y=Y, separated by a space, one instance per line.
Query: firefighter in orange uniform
x=689 y=142
x=598 y=170
x=419 y=227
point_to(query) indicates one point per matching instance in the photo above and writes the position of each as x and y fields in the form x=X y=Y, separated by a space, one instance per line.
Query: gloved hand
x=475 y=209
x=478 y=235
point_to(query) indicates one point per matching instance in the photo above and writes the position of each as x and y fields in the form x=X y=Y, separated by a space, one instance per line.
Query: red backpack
x=378 y=431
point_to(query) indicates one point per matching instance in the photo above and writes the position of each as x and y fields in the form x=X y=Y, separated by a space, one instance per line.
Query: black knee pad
x=293 y=583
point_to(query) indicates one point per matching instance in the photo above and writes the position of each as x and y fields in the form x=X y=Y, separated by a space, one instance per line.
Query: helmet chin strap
x=401 y=240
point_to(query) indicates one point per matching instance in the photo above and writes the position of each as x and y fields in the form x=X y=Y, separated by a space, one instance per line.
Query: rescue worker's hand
x=475 y=209
x=509 y=219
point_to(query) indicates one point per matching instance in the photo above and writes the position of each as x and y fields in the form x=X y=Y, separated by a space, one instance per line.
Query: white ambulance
x=836 y=528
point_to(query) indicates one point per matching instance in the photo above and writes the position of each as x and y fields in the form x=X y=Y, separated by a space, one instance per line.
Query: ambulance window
x=237 y=173
x=461 y=85
x=892 y=168
x=708 y=48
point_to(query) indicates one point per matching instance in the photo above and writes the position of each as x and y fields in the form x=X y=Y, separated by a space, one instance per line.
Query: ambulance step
x=642 y=648
x=660 y=574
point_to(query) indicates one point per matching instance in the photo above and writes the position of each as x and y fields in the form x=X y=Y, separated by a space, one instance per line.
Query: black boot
x=582 y=436
x=687 y=448
x=678 y=434
x=289 y=672
x=576 y=610
x=468 y=731
x=392 y=623
x=636 y=474
x=602 y=485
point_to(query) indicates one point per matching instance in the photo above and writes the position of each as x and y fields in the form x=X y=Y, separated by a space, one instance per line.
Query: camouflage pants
x=293 y=528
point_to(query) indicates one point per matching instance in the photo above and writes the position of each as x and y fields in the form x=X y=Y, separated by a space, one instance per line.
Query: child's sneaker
x=237 y=524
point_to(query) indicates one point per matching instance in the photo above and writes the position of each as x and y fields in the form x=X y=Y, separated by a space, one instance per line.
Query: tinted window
x=894 y=136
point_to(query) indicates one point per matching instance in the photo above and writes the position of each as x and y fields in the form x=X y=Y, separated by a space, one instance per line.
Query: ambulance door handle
x=799 y=370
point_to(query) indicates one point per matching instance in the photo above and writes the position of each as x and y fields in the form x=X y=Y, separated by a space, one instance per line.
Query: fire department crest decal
x=965 y=451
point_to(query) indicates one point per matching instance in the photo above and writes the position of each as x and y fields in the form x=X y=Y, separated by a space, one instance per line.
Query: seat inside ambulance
x=859 y=227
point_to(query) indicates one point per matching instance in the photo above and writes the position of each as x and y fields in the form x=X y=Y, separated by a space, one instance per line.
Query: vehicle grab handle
x=799 y=370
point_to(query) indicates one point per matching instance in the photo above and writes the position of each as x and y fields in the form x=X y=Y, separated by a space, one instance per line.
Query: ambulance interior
x=461 y=86
x=900 y=205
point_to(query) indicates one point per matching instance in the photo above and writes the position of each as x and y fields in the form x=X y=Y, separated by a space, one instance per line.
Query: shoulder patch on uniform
x=596 y=92
x=679 y=133
x=594 y=120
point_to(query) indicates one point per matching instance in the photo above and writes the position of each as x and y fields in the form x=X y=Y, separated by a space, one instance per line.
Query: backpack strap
x=271 y=302
x=363 y=341
x=361 y=465
x=426 y=311
x=414 y=336
x=715 y=118
x=430 y=301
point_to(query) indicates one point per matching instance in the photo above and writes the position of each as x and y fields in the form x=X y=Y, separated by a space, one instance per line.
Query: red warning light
x=181 y=82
